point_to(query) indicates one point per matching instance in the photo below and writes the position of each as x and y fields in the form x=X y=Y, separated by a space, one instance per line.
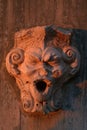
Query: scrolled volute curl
x=69 y=54
x=16 y=56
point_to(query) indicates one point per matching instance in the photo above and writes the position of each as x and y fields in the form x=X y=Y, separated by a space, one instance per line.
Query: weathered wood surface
x=18 y=14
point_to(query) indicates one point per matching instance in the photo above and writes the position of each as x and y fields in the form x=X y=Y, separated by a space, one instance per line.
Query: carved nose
x=40 y=85
x=43 y=72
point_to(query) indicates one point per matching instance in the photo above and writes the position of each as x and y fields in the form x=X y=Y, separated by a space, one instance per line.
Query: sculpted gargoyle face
x=41 y=65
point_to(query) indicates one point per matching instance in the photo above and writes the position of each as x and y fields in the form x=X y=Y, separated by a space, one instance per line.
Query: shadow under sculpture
x=41 y=61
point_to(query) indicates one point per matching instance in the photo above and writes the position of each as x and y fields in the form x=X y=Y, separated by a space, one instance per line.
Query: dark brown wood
x=18 y=14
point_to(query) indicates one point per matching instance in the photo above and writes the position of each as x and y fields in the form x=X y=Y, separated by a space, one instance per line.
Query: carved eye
x=54 y=60
x=52 y=56
x=52 y=63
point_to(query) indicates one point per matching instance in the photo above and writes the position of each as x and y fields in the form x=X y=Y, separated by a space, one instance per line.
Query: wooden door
x=20 y=14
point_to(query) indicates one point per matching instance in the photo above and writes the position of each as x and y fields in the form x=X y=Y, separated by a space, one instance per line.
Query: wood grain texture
x=18 y=14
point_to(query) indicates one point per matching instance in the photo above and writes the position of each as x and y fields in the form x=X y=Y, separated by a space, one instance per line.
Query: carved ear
x=72 y=57
x=13 y=59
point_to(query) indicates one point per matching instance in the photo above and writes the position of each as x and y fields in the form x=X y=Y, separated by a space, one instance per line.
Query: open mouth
x=40 y=85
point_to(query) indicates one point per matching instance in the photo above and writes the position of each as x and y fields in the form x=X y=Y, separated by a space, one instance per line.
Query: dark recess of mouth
x=40 y=85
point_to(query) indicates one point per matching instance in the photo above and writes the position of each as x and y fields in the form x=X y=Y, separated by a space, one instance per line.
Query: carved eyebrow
x=49 y=57
x=46 y=57
x=35 y=56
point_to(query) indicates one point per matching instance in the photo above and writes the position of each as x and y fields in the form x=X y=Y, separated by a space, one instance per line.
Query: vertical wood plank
x=19 y=20
x=9 y=110
x=19 y=14
x=46 y=122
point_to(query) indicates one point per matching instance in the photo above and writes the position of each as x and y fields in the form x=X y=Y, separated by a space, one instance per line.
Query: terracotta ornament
x=41 y=61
